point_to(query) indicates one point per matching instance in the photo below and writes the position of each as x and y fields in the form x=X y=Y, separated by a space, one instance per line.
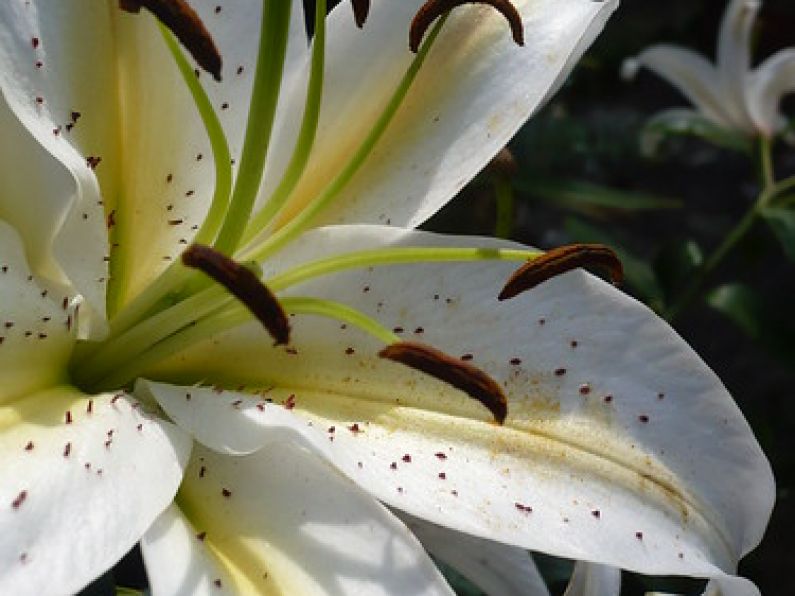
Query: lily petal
x=590 y=579
x=599 y=442
x=82 y=478
x=168 y=176
x=734 y=56
x=53 y=111
x=692 y=75
x=35 y=335
x=472 y=94
x=773 y=79
x=282 y=520
x=495 y=568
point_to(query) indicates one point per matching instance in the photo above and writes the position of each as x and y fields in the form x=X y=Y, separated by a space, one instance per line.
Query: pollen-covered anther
x=244 y=285
x=461 y=375
x=560 y=260
x=186 y=25
x=361 y=8
x=433 y=9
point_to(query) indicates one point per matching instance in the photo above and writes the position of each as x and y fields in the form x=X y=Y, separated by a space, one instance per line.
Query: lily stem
x=768 y=191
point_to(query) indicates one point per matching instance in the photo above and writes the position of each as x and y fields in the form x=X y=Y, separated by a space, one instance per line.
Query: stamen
x=461 y=375
x=559 y=261
x=361 y=8
x=433 y=9
x=178 y=16
x=244 y=285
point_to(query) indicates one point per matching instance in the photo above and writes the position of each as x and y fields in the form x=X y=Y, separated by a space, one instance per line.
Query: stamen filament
x=128 y=346
x=340 y=312
x=303 y=220
x=188 y=335
x=224 y=320
x=306 y=136
x=264 y=98
x=394 y=256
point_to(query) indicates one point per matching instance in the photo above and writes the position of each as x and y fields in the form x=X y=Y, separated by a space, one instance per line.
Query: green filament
x=394 y=256
x=306 y=136
x=264 y=98
x=302 y=221
x=339 y=312
x=229 y=318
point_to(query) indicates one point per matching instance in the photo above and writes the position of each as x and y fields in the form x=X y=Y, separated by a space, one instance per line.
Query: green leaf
x=758 y=320
x=782 y=222
x=586 y=197
x=684 y=122
x=638 y=274
x=675 y=264
x=742 y=305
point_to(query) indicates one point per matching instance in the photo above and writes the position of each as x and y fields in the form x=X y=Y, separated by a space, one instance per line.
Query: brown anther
x=433 y=9
x=361 y=8
x=560 y=260
x=186 y=25
x=244 y=285
x=461 y=375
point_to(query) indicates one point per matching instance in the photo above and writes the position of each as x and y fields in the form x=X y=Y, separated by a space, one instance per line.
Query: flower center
x=183 y=307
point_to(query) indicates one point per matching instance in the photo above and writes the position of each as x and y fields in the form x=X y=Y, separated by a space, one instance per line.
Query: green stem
x=694 y=288
x=306 y=136
x=303 y=220
x=264 y=98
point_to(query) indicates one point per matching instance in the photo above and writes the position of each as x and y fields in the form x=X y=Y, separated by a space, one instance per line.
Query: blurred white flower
x=728 y=93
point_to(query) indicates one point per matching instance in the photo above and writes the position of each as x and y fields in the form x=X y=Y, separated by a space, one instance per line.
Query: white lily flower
x=620 y=448
x=729 y=93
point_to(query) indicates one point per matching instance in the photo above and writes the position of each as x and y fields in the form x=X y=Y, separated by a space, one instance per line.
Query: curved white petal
x=692 y=75
x=474 y=91
x=177 y=561
x=608 y=453
x=773 y=79
x=731 y=586
x=734 y=55
x=497 y=569
x=36 y=331
x=82 y=479
x=282 y=520
x=168 y=177
x=57 y=84
x=591 y=579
